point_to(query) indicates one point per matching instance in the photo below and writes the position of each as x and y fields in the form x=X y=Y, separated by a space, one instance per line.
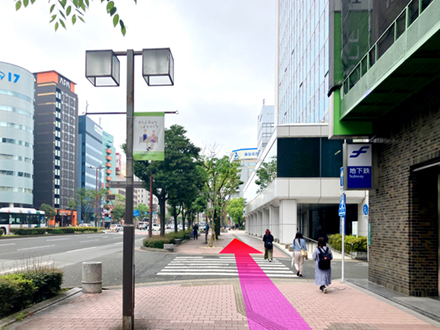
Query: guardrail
x=403 y=21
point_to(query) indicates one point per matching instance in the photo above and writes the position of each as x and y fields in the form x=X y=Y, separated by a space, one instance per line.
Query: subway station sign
x=358 y=166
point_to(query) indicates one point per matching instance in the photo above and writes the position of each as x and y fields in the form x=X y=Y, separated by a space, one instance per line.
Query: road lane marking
x=36 y=247
x=7 y=244
x=80 y=249
x=90 y=240
x=56 y=239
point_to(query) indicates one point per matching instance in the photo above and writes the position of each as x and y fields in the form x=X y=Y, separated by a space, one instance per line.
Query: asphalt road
x=69 y=251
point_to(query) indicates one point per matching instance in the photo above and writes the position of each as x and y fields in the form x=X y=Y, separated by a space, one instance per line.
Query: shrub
x=16 y=293
x=47 y=282
x=157 y=242
x=352 y=243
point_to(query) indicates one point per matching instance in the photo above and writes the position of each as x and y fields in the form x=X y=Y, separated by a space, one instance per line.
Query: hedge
x=352 y=243
x=21 y=290
x=157 y=242
x=52 y=230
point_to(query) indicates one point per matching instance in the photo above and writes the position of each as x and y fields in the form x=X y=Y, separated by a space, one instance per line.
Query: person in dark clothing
x=196 y=231
x=268 y=245
x=322 y=234
x=206 y=232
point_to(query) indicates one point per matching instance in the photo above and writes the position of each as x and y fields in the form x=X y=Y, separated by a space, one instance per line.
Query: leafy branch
x=62 y=11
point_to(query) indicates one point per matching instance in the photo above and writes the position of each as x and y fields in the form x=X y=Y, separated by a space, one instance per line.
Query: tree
x=62 y=11
x=235 y=210
x=48 y=211
x=84 y=201
x=223 y=179
x=118 y=211
x=266 y=173
x=171 y=177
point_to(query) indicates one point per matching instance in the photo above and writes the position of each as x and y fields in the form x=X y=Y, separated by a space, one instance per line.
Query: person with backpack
x=268 y=245
x=299 y=245
x=323 y=271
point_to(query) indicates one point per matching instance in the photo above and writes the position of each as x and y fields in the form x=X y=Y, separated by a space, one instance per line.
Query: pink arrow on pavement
x=266 y=307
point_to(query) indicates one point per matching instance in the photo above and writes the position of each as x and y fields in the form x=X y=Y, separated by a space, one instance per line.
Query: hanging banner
x=149 y=136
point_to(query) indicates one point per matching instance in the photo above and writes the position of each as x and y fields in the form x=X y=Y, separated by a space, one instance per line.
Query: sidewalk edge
x=8 y=320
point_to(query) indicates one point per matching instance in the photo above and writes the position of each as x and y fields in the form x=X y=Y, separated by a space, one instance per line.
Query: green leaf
x=69 y=9
x=62 y=14
x=53 y=18
x=62 y=23
x=115 y=20
x=73 y=19
x=76 y=3
x=25 y=3
x=87 y=3
x=63 y=3
x=52 y=8
x=56 y=26
x=82 y=19
x=123 y=29
x=112 y=11
x=17 y=5
x=110 y=5
x=32 y=1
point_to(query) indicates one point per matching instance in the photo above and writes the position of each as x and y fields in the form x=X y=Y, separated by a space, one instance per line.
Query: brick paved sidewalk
x=204 y=305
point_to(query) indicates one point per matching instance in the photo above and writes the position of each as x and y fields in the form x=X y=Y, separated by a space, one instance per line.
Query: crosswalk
x=220 y=266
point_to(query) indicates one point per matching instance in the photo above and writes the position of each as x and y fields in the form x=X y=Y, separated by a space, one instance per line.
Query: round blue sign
x=365 y=209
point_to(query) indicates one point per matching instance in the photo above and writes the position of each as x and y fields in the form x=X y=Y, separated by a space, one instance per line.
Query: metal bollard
x=91 y=277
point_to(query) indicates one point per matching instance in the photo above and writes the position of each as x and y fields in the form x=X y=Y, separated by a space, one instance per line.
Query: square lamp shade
x=158 y=67
x=102 y=68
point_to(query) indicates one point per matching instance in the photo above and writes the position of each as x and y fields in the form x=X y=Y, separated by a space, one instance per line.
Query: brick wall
x=403 y=208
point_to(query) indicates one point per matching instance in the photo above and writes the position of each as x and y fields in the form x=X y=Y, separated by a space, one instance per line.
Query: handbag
x=304 y=253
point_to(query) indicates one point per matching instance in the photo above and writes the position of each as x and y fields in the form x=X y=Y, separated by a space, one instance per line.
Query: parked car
x=85 y=225
x=116 y=227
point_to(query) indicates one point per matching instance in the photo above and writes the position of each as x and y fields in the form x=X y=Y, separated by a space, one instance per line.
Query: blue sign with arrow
x=342 y=206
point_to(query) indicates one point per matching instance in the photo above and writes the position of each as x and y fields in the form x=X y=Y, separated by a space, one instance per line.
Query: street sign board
x=359 y=166
x=365 y=209
x=136 y=213
x=342 y=206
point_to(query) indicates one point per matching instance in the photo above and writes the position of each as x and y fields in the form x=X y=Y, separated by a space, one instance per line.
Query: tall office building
x=266 y=126
x=300 y=191
x=91 y=172
x=16 y=136
x=248 y=160
x=56 y=123
x=303 y=61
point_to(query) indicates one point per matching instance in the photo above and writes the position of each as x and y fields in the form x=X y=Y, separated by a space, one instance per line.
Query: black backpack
x=324 y=259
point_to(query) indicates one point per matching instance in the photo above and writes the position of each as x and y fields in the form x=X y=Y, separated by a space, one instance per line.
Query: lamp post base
x=127 y=323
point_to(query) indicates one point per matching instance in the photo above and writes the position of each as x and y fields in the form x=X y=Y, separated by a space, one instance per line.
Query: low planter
x=178 y=241
x=358 y=255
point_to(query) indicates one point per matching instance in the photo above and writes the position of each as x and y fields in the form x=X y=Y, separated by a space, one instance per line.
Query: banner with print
x=149 y=136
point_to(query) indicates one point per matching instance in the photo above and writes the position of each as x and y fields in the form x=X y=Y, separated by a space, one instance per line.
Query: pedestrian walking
x=196 y=231
x=323 y=271
x=321 y=233
x=299 y=245
x=268 y=245
x=206 y=232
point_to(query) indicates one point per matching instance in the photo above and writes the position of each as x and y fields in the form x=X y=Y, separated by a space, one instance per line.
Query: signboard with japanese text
x=358 y=165
x=149 y=136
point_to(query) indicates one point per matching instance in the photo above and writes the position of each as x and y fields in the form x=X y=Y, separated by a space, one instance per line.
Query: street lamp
x=102 y=69
x=96 y=192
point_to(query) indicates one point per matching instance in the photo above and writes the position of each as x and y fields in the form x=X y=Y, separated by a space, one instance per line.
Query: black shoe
x=300 y=275
x=297 y=273
x=322 y=287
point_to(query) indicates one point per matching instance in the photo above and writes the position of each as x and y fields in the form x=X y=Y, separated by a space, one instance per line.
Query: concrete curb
x=8 y=320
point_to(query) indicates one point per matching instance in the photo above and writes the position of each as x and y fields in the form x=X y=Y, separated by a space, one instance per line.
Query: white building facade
x=16 y=135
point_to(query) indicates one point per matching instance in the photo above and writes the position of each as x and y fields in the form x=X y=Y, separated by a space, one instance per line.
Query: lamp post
x=102 y=69
x=96 y=192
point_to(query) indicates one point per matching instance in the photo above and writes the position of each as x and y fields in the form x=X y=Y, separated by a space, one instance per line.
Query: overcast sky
x=224 y=55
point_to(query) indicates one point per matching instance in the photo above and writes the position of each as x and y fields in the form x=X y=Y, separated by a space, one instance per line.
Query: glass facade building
x=16 y=136
x=303 y=61
x=90 y=137
x=266 y=125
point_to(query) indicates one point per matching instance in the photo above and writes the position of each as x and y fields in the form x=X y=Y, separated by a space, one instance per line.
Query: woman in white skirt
x=323 y=277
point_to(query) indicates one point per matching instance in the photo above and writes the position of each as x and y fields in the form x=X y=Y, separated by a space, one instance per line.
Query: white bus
x=20 y=217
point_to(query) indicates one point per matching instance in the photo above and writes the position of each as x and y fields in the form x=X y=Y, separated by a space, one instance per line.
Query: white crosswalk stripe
x=220 y=266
